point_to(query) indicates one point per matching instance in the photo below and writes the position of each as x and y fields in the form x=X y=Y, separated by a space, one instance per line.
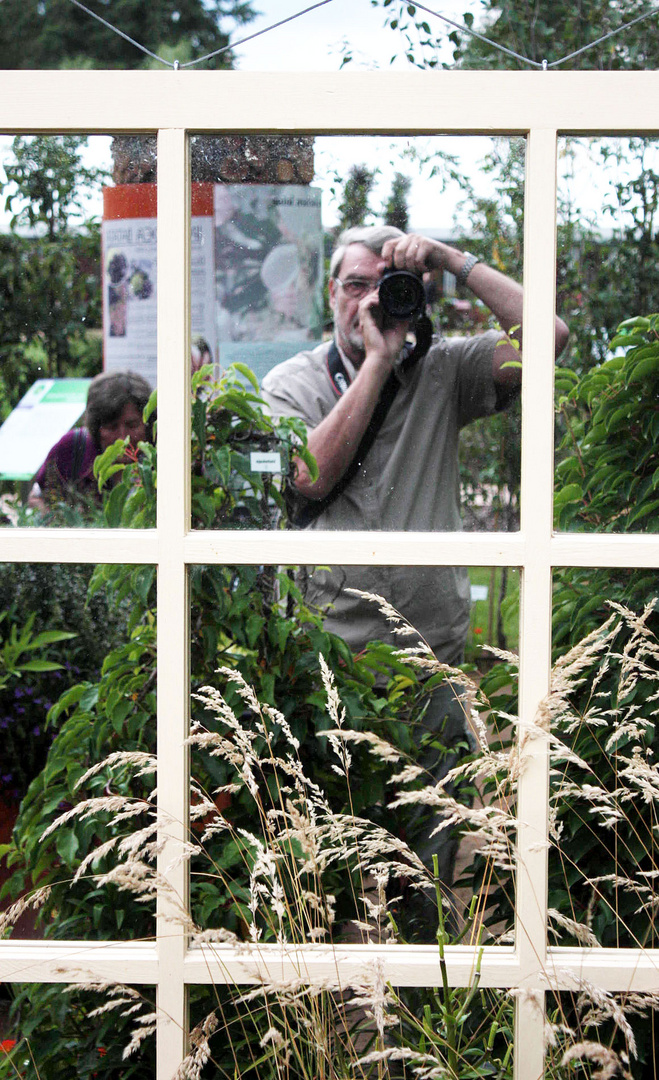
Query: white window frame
x=538 y=105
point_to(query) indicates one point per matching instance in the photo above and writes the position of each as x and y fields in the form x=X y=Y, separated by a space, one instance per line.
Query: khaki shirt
x=409 y=481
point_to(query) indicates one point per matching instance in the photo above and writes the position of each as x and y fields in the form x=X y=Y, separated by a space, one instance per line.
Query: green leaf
x=114 y=506
x=643 y=511
x=67 y=844
x=309 y=460
x=150 y=406
x=39 y=665
x=638 y=321
x=625 y=341
x=648 y=366
x=247 y=373
x=570 y=493
x=253 y=626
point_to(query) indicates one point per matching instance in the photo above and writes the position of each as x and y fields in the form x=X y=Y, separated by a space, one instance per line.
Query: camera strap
x=341 y=380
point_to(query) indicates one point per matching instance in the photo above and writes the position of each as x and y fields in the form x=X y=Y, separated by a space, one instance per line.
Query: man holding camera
x=384 y=428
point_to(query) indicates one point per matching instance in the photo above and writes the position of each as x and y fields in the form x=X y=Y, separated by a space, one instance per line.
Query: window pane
x=341 y=791
x=591 y=1029
x=53 y=1030
x=308 y=1028
x=78 y=682
x=78 y=342
x=608 y=287
x=267 y=213
x=603 y=860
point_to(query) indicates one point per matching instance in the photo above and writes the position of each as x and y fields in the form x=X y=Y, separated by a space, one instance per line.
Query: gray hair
x=107 y=396
x=373 y=237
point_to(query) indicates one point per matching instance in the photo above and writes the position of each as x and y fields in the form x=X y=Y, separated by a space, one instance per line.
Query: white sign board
x=50 y=408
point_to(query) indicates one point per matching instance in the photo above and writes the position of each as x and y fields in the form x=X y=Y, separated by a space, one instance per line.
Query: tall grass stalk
x=309 y=871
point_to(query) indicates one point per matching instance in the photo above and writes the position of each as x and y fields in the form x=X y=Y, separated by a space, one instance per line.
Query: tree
x=354 y=208
x=56 y=34
x=49 y=279
x=533 y=29
x=395 y=210
x=550 y=31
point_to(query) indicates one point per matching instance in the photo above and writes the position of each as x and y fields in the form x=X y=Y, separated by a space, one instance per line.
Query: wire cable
x=474 y=33
x=266 y=30
x=121 y=34
x=462 y=28
x=599 y=40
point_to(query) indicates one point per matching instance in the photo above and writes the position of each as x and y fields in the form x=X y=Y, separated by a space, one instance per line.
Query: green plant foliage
x=607 y=478
x=250 y=618
x=395 y=211
x=50 y=294
x=535 y=31
x=51 y=600
x=606 y=482
x=354 y=208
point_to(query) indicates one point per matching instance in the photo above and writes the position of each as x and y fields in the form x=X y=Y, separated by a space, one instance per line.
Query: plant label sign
x=265 y=463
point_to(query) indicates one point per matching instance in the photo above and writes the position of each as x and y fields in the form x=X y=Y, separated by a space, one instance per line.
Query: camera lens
x=401 y=294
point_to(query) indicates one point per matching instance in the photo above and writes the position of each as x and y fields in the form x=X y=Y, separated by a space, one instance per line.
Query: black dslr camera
x=401 y=294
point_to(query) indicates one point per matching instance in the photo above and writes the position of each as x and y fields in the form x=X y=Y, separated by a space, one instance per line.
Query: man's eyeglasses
x=356 y=288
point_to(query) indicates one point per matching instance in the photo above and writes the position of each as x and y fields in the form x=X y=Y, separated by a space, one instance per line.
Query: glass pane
x=592 y=1031
x=271 y=286
x=352 y=1029
x=77 y=687
x=78 y=344
x=604 y=858
x=608 y=288
x=337 y=784
x=58 y=1030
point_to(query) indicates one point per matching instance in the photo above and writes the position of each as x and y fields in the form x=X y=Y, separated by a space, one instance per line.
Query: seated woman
x=115 y=404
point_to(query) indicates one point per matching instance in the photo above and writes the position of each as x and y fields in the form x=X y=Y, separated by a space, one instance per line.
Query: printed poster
x=130 y=278
x=269 y=272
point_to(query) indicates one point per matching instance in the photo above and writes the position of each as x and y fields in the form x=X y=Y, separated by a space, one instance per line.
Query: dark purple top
x=69 y=463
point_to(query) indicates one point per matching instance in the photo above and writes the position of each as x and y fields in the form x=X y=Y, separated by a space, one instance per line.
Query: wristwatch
x=466 y=268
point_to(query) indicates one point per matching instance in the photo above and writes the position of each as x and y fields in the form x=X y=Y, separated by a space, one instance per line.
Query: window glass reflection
x=434 y=438
x=379 y=760
x=603 y=860
x=77 y=699
x=79 y=327
x=608 y=292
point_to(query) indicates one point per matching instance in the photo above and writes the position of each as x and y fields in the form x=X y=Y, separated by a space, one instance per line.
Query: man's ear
x=331 y=289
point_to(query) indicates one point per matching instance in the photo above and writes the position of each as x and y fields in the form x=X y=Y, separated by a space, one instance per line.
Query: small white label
x=265 y=462
x=479 y=592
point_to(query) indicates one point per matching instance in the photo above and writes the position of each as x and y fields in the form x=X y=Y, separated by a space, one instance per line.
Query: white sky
x=315 y=42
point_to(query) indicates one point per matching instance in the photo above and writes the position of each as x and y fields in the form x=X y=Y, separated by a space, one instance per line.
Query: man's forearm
x=503 y=296
x=334 y=442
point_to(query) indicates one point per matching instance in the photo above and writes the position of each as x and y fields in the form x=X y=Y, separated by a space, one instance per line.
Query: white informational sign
x=269 y=272
x=50 y=408
x=130 y=278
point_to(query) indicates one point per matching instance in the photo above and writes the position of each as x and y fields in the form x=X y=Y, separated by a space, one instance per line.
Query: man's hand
x=416 y=253
x=383 y=337
x=502 y=295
